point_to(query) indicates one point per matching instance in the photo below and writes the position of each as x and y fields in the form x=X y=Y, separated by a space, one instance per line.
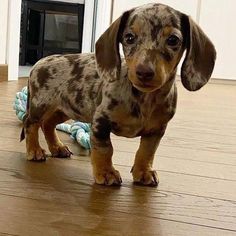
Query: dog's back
x=69 y=83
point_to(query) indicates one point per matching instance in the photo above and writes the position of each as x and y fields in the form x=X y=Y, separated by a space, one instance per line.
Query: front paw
x=37 y=155
x=146 y=177
x=107 y=177
x=60 y=151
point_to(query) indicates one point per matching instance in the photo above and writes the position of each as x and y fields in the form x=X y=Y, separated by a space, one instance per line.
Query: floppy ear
x=200 y=56
x=107 y=48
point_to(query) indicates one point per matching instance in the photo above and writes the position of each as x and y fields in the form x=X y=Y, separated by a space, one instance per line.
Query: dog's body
x=74 y=87
x=133 y=97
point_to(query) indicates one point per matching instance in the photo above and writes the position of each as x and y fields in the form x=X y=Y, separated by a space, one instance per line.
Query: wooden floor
x=197 y=168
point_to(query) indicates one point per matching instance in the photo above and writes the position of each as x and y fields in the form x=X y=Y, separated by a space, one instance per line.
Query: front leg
x=101 y=153
x=142 y=169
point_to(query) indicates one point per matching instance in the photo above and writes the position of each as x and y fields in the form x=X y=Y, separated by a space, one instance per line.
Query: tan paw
x=108 y=177
x=38 y=155
x=60 y=151
x=145 y=177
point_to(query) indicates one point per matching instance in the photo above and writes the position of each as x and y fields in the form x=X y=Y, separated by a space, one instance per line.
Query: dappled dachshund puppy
x=130 y=97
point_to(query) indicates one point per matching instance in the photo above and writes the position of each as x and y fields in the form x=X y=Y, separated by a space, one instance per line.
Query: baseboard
x=223 y=81
x=216 y=81
x=3 y=72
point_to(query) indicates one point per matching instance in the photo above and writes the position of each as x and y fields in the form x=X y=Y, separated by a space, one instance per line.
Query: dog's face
x=154 y=37
x=153 y=44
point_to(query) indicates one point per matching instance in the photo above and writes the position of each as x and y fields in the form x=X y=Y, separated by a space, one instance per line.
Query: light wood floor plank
x=187 y=167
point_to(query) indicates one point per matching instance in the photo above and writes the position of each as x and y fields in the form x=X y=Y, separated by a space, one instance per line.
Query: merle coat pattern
x=134 y=96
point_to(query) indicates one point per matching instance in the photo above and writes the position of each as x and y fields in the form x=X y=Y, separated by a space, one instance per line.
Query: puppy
x=130 y=97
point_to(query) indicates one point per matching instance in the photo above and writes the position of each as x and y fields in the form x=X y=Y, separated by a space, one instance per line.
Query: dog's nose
x=144 y=73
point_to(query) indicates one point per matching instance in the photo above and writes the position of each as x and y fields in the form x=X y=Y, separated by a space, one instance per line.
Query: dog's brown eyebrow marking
x=135 y=27
x=133 y=19
x=174 y=21
x=174 y=18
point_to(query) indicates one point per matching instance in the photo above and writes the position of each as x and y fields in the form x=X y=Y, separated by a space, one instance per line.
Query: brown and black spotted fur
x=130 y=97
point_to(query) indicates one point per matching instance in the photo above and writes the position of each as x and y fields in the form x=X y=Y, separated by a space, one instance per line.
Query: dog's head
x=154 y=37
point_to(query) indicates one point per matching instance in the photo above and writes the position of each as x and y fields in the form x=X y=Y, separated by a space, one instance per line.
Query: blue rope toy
x=78 y=131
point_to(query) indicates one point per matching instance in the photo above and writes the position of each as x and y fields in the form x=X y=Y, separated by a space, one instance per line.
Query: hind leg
x=34 y=151
x=56 y=147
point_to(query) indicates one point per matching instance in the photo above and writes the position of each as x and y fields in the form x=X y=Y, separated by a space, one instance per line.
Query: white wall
x=189 y=7
x=13 y=38
x=3 y=30
x=217 y=18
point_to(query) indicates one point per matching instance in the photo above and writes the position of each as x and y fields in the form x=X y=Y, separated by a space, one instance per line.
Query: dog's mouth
x=144 y=87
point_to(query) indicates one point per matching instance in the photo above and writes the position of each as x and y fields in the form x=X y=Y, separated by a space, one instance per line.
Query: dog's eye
x=173 y=40
x=130 y=38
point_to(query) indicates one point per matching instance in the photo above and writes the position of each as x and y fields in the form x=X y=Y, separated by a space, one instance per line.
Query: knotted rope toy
x=78 y=131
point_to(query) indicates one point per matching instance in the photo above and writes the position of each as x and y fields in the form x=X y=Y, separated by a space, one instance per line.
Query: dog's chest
x=139 y=120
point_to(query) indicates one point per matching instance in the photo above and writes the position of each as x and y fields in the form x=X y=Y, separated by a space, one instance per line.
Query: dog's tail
x=22 y=135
